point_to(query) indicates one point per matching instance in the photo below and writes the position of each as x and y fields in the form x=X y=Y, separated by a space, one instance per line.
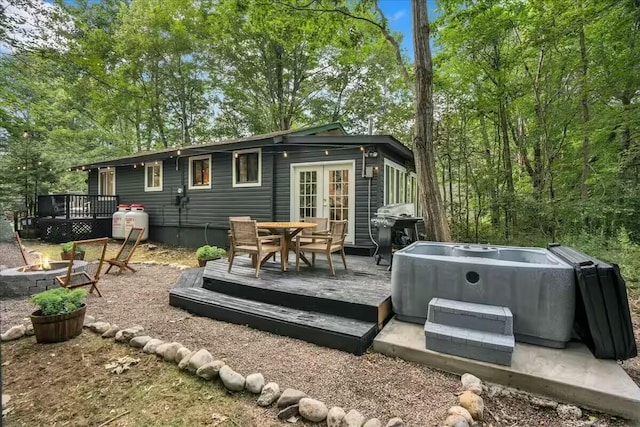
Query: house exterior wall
x=210 y=208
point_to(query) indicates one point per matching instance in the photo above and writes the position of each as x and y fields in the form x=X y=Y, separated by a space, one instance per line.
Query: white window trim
x=147 y=166
x=100 y=171
x=199 y=187
x=233 y=167
x=393 y=164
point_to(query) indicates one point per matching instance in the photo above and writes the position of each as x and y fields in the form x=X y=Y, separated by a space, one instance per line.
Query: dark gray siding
x=312 y=154
x=93 y=182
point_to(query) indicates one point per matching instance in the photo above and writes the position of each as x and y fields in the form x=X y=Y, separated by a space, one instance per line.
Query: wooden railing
x=76 y=206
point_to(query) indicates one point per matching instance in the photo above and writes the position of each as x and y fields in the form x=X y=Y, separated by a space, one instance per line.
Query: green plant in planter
x=59 y=300
x=68 y=247
x=207 y=252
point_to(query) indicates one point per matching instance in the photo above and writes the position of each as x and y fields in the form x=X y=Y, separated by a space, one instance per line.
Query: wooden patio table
x=289 y=230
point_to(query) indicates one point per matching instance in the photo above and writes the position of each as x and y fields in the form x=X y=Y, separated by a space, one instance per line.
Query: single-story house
x=190 y=192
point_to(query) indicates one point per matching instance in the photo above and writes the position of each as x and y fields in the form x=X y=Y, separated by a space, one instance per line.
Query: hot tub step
x=480 y=317
x=469 y=343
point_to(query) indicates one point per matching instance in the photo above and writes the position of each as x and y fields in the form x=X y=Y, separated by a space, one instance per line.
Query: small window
x=153 y=177
x=200 y=172
x=107 y=181
x=247 y=168
x=400 y=186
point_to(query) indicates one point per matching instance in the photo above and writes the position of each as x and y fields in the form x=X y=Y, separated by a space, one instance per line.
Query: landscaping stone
x=270 y=393
x=201 y=357
x=395 y=422
x=139 y=341
x=472 y=403
x=5 y=400
x=125 y=335
x=232 y=380
x=151 y=345
x=160 y=348
x=353 y=418
x=254 y=383
x=373 y=422
x=471 y=383
x=13 y=333
x=111 y=332
x=290 y=397
x=29 y=330
x=313 y=410
x=335 y=416
x=88 y=320
x=181 y=353
x=456 y=421
x=169 y=354
x=99 y=327
x=184 y=363
x=288 y=412
x=459 y=410
x=210 y=370
x=569 y=412
x=543 y=403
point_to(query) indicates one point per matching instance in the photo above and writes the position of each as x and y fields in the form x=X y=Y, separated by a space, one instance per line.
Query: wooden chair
x=94 y=251
x=306 y=235
x=246 y=218
x=245 y=239
x=334 y=242
x=25 y=257
x=126 y=251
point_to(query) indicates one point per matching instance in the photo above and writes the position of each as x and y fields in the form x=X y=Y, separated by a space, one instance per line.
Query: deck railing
x=76 y=206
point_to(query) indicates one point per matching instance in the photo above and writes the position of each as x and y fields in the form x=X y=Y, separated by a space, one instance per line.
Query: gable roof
x=249 y=141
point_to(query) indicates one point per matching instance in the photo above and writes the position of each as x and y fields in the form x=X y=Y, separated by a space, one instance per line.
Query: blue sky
x=398 y=12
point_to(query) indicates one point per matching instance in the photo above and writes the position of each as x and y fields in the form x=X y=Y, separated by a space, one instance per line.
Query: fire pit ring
x=16 y=282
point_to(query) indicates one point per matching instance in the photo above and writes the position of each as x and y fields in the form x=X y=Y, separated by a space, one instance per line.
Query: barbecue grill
x=397 y=227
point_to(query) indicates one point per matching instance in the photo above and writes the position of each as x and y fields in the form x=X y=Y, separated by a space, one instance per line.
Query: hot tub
x=537 y=286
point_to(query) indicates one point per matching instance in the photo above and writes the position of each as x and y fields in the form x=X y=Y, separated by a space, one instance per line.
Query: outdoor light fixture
x=326 y=152
x=284 y=154
x=178 y=152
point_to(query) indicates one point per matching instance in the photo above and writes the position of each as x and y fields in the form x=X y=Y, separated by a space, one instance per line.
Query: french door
x=324 y=190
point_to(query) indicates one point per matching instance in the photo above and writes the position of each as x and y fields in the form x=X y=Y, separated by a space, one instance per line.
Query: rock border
x=291 y=403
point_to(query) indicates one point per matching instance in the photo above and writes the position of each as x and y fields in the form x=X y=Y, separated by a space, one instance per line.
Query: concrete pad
x=571 y=375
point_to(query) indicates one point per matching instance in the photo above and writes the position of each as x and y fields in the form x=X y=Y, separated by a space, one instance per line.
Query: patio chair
x=94 y=250
x=246 y=218
x=333 y=242
x=245 y=239
x=306 y=235
x=126 y=251
x=25 y=257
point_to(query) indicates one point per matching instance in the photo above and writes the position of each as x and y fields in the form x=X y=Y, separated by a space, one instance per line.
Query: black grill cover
x=603 y=320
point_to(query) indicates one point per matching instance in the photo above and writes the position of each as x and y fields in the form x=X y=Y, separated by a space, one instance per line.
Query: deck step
x=327 y=330
x=479 y=317
x=300 y=290
x=469 y=343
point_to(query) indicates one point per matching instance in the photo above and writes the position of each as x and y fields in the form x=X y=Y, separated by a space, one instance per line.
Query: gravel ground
x=376 y=385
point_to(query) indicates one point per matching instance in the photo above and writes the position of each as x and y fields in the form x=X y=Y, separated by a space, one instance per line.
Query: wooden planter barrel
x=67 y=255
x=203 y=262
x=58 y=327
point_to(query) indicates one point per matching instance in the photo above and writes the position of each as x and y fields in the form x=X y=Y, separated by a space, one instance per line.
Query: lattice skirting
x=65 y=230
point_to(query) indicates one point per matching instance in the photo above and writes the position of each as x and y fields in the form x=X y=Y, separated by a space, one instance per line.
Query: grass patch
x=67 y=384
x=162 y=253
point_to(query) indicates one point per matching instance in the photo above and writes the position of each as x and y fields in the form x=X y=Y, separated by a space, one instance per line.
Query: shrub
x=59 y=300
x=210 y=252
x=68 y=247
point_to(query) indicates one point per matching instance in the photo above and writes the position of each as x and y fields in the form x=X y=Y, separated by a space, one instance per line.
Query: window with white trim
x=107 y=181
x=247 y=168
x=200 y=172
x=153 y=176
x=400 y=186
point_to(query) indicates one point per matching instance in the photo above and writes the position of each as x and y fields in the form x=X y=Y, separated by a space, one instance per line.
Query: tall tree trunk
x=508 y=170
x=495 y=213
x=436 y=224
x=584 y=101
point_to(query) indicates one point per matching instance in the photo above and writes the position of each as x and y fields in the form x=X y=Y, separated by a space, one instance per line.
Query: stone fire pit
x=21 y=281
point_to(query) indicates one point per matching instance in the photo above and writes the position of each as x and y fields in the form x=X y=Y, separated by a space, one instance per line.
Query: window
x=153 y=177
x=400 y=186
x=247 y=168
x=200 y=172
x=107 y=181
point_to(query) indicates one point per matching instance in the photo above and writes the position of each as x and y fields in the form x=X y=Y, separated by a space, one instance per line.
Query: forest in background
x=537 y=120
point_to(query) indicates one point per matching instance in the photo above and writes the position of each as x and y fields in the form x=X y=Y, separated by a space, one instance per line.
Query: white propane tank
x=117 y=222
x=136 y=218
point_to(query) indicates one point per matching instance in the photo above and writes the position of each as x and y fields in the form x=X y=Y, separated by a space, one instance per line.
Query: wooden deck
x=344 y=311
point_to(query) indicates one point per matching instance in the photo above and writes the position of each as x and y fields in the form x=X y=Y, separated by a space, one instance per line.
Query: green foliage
x=59 y=300
x=210 y=252
x=68 y=247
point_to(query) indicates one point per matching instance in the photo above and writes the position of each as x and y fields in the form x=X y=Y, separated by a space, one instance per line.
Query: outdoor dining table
x=289 y=230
